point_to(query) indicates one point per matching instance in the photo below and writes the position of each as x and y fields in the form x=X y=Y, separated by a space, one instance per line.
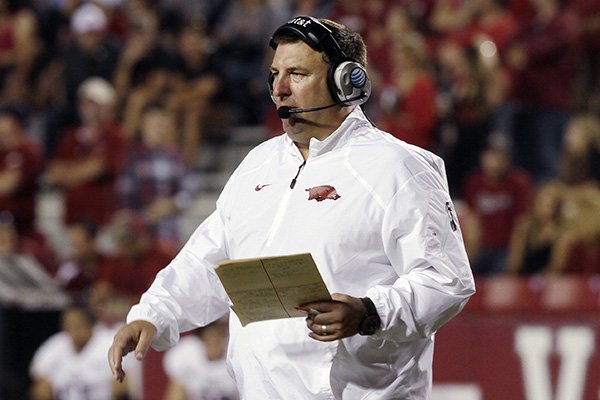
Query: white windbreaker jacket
x=383 y=226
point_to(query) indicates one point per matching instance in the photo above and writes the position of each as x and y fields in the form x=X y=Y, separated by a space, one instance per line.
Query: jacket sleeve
x=188 y=293
x=424 y=244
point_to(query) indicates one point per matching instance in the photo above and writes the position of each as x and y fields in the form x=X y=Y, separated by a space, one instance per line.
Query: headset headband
x=312 y=32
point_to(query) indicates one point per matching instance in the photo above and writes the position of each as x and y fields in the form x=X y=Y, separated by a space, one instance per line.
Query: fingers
x=324 y=331
x=136 y=336
x=115 y=356
x=143 y=345
x=335 y=319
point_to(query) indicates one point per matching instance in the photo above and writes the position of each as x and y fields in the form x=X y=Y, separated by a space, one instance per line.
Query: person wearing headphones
x=373 y=211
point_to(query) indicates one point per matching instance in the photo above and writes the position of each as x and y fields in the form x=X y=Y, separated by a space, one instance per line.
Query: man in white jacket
x=373 y=211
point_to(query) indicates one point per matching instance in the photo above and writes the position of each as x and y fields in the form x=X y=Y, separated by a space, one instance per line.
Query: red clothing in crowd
x=131 y=277
x=498 y=204
x=588 y=11
x=95 y=199
x=27 y=159
x=553 y=51
x=502 y=31
x=415 y=116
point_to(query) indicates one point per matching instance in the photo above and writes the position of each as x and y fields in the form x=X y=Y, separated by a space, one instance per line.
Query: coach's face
x=300 y=81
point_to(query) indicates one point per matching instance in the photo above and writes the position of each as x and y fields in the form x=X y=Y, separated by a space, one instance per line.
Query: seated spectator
x=534 y=246
x=86 y=161
x=25 y=282
x=20 y=47
x=408 y=97
x=78 y=273
x=88 y=52
x=544 y=59
x=153 y=181
x=580 y=240
x=470 y=226
x=202 y=117
x=579 y=172
x=580 y=155
x=240 y=35
x=467 y=22
x=71 y=364
x=588 y=12
x=146 y=69
x=129 y=269
x=21 y=163
x=196 y=366
x=498 y=193
x=471 y=87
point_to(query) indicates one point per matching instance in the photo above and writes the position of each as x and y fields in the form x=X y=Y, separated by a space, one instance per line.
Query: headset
x=347 y=79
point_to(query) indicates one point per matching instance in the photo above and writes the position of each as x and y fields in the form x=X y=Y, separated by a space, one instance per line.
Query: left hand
x=340 y=317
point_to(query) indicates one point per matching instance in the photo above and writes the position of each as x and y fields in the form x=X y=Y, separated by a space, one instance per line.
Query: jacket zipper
x=293 y=182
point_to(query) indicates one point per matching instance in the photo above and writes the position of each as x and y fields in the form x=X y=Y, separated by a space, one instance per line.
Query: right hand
x=137 y=336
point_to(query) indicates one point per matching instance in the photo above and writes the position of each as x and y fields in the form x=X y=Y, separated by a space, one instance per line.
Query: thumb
x=146 y=336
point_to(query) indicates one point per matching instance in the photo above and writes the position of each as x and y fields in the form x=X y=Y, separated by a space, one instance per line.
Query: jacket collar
x=338 y=138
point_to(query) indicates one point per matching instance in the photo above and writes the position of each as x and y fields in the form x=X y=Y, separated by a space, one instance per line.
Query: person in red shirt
x=88 y=156
x=588 y=12
x=544 y=60
x=408 y=99
x=128 y=271
x=498 y=193
x=79 y=271
x=21 y=163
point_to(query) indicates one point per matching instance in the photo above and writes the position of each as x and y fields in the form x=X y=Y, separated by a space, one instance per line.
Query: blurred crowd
x=111 y=102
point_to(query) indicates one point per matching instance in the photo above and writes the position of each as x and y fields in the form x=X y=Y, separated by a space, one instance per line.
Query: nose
x=281 y=87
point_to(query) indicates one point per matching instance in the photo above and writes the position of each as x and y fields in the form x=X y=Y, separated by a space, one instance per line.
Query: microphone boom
x=285 y=112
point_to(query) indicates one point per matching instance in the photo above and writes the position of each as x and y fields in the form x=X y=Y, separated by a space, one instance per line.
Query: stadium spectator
x=196 y=366
x=86 y=161
x=146 y=68
x=498 y=193
x=203 y=117
x=241 y=34
x=470 y=226
x=466 y=22
x=78 y=273
x=19 y=261
x=129 y=268
x=579 y=172
x=90 y=52
x=21 y=164
x=544 y=59
x=471 y=87
x=153 y=181
x=20 y=46
x=534 y=246
x=580 y=157
x=69 y=365
x=408 y=95
x=588 y=12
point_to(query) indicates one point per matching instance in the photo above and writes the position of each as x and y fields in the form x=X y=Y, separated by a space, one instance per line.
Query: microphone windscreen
x=284 y=112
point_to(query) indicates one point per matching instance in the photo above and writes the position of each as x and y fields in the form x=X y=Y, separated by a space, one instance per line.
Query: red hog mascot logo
x=320 y=193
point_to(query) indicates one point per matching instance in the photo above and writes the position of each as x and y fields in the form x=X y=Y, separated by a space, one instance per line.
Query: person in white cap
x=87 y=158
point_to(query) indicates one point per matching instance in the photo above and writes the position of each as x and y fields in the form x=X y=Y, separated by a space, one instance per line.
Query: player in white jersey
x=197 y=368
x=71 y=364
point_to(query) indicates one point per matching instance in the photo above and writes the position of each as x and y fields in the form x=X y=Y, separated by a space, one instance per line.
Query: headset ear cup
x=351 y=83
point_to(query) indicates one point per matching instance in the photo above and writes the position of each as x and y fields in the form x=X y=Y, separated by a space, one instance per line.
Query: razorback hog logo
x=320 y=193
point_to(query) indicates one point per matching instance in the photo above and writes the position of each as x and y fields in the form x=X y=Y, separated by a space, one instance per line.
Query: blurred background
x=120 y=121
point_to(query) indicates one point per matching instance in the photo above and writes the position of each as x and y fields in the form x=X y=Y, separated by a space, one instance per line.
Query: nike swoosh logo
x=259 y=187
